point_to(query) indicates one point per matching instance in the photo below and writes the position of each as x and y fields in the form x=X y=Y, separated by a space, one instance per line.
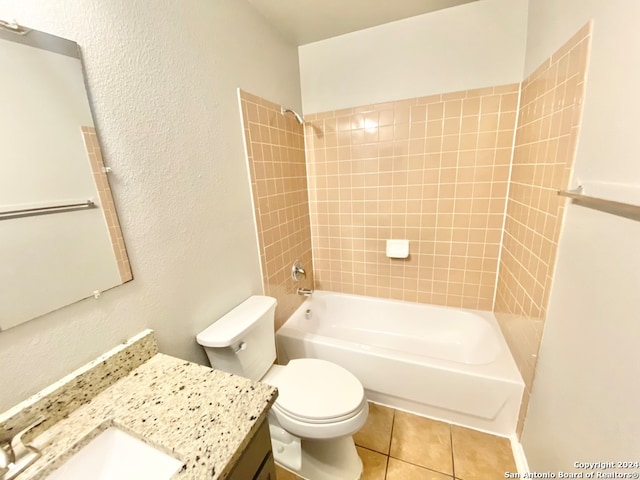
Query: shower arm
x=299 y=118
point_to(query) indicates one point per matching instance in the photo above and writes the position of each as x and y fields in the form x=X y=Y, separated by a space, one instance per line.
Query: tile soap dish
x=397 y=248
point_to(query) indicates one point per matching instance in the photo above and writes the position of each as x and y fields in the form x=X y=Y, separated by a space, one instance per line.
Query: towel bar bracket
x=621 y=209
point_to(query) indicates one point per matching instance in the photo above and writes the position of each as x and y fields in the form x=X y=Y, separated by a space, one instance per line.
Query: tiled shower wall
x=546 y=140
x=275 y=149
x=94 y=154
x=433 y=170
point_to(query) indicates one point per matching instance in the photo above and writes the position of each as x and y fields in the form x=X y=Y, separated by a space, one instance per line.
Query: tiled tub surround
x=545 y=148
x=203 y=417
x=275 y=150
x=94 y=155
x=433 y=170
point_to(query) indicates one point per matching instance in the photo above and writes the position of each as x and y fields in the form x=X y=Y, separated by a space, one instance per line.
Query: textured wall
x=163 y=76
x=433 y=170
x=546 y=141
x=275 y=151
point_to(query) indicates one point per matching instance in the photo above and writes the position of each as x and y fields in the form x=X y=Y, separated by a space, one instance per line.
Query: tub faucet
x=15 y=456
x=304 y=291
x=297 y=271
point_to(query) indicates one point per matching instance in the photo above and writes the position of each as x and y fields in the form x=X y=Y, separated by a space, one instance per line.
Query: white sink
x=116 y=455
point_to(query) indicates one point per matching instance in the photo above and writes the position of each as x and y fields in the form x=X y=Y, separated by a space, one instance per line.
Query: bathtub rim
x=502 y=368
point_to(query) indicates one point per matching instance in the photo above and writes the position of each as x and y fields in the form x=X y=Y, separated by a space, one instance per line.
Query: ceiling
x=306 y=21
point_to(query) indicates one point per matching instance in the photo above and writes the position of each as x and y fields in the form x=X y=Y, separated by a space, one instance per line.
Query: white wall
x=475 y=45
x=585 y=394
x=163 y=76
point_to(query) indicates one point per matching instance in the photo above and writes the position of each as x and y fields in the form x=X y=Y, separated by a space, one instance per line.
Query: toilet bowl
x=317 y=399
x=320 y=405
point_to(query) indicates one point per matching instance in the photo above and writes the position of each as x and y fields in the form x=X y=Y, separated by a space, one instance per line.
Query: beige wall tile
x=416 y=181
x=94 y=154
x=279 y=187
x=545 y=145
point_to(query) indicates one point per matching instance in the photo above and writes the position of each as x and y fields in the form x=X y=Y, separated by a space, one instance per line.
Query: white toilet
x=320 y=405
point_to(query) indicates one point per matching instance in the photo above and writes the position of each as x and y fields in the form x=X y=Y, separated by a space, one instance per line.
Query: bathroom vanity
x=213 y=422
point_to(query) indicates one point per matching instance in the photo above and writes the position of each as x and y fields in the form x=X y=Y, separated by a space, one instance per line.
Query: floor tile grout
x=452 y=474
x=393 y=422
x=421 y=466
x=386 y=468
x=453 y=457
x=388 y=457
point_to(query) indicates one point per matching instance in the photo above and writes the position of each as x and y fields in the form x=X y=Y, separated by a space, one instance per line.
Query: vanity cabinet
x=256 y=462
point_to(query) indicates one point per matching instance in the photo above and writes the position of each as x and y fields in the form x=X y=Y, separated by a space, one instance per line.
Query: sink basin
x=116 y=455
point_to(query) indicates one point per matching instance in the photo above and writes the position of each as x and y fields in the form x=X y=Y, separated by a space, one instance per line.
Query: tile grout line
x=393 y=423
x=422 y=467
x=386 y=466
x=389 y=456
x=451 y=474
x=378 y=453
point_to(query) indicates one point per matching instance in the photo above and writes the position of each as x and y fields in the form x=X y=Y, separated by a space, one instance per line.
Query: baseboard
x=519 y=456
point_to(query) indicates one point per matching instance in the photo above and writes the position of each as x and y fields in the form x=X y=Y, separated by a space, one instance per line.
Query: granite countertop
x=203 y=417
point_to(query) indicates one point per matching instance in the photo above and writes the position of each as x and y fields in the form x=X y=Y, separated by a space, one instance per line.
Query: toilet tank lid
x=232 y=326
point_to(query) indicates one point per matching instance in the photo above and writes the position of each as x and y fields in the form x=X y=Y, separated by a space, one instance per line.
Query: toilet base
x=332 y=459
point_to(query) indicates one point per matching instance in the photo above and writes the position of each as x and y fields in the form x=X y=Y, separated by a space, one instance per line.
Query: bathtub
x=440 y=362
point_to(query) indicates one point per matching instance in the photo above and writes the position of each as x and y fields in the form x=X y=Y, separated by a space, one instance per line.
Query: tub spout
x=304 y=291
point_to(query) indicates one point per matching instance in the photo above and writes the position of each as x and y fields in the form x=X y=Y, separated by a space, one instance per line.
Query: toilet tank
x=243 y=340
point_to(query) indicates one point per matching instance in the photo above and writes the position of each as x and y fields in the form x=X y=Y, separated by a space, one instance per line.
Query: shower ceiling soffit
x=306 y=21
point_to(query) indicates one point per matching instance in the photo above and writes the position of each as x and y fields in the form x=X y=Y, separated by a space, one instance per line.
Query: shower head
x=284 y=111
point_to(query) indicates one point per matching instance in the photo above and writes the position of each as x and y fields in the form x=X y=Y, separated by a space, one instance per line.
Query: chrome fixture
x=299 y=118
x=621 y=209
x=13 y=27
x=297 y=271
x=47 y=209
x=15 y=456
x=307 y=292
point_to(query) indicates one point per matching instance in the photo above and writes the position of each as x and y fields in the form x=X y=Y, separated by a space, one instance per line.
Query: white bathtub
x=444 y=363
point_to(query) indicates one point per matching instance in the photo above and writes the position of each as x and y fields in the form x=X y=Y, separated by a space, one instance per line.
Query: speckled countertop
x=203 y=417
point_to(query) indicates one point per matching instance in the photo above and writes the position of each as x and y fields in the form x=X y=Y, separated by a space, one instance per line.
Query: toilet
x=320 y=405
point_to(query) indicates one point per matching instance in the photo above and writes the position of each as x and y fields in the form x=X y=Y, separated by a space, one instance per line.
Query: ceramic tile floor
x=396 y=445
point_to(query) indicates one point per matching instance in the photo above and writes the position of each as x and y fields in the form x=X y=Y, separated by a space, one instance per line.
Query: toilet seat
x=318 y=391
x=318 y=399
x=340 y=418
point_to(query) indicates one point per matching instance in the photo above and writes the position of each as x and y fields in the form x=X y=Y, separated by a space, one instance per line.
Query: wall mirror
x=60 y=240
